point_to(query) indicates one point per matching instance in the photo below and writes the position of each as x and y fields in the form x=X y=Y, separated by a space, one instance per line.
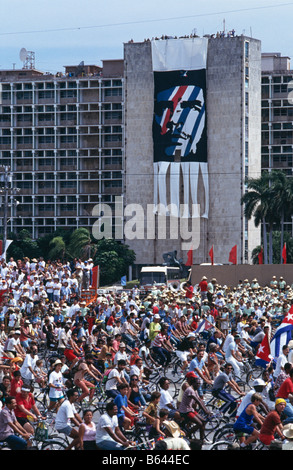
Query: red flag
x=260 y=256
x=284 y=254
x=263 y=356
x=211 y=254
x=233 y=255
x=95 y=277
x=189 y=261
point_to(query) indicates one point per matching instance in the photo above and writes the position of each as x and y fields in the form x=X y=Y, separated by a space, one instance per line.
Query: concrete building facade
x=233 y=77
x=85 y=137
x=277 y=116
x=62 y=137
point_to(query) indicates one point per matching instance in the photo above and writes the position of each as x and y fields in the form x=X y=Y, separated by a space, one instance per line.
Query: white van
x=158 y=275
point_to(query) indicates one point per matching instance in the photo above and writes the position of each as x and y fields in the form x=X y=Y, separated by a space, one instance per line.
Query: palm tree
x=282 y=188
x=255 y=254
x=57 y=248
x=258 y=203
x=81 y=244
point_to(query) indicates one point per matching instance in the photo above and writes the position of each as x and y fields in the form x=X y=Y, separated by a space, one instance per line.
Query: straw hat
x=173 y=428
x=57 y=362
x=288 y=431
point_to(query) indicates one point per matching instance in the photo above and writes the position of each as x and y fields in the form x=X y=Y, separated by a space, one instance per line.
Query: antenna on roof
x=28 y=58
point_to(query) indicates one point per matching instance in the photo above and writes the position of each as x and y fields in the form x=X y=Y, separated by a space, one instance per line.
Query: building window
x=246 y=50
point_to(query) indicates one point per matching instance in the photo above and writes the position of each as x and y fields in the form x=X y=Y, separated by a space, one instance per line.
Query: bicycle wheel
x=253 y=374
x=173 y=389
x=221 y=445
x=43 y=403
x=53 y=445
x=213 y=423
x=226 y=433
x=4 y=446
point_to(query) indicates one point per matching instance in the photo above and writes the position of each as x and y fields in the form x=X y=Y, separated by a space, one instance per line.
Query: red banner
x=211 y=254
x=260 y=256
x=95 y=277
x=284 y=254
x=233 y=255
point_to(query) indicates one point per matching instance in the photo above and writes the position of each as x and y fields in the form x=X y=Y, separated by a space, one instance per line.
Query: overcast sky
x=66 y=32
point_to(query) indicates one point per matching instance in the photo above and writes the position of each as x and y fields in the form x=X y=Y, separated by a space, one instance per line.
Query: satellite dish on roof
x=23 y=54
x=28 y=58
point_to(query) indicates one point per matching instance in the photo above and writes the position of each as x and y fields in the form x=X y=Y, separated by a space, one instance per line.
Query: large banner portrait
x=179 y=124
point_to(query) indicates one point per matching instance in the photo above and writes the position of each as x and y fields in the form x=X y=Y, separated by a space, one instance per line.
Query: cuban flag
x=282 y=335
x=263 y=357
x=204 y=325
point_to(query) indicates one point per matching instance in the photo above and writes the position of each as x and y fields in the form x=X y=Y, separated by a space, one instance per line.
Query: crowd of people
x=118 y=338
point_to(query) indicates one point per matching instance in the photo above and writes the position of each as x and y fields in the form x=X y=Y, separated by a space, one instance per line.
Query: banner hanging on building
x=179 y=124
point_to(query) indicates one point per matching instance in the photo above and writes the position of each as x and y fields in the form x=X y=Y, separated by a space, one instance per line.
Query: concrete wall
x=230 y=275
x=226 y=142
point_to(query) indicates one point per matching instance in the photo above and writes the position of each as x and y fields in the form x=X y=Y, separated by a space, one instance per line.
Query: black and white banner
x=179 y=124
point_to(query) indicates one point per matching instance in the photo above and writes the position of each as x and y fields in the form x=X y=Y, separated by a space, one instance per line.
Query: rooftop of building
x=275 y=62
x=112 y=68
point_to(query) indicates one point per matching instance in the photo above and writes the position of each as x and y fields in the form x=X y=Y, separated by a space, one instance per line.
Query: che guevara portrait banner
x=179 y=123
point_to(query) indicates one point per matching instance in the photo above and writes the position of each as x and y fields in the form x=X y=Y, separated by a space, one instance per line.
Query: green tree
x=23 y=246
x=114 y=259
x=258 y=203
x=57 y=248
x=282 y=193
x=82 y=244
x=254 y=254
x=277 y=247
x=44 y=241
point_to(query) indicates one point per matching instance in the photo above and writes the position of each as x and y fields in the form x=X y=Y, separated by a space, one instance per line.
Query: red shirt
x=133 y=359
x=27 y=403
x=110 y=321
x=203 y=286
x=214 y=313
x=272 y=420
x=15 y=384
x=285 y=389
x=189 y=292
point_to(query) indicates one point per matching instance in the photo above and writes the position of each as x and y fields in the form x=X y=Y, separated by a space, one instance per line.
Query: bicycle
x=148 y=445
x=190 y=429
x=4 y=445
x=215 y=405
x=139 y=432
x=42 y=440
x=229 y=445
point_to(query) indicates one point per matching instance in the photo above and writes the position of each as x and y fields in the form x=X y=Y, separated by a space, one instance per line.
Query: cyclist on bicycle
x=218 y=390
x=185 y=350
x=244 y=423
x=11 y=431
x=86 y=367
x=190 y=401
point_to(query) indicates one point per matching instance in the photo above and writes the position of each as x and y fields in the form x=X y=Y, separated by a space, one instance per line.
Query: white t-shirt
x=29 y=361
x=176 y=443
x=64 y=415
x=106 y=421
x=111 y=383
x=228 y=340
x=245 y=401
x=281 y=361
x=12 y=320
x=165 y=399
x=120 y=355
x=232 y=347
x=56 y=379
